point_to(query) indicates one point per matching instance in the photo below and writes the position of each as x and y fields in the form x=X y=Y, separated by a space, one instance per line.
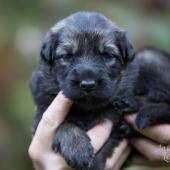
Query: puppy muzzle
x=86 y=78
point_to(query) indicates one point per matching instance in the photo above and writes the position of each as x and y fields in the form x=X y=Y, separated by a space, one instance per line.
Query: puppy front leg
x=74 y=145
x=126 y=103
x=151 y=114
x=125 y=100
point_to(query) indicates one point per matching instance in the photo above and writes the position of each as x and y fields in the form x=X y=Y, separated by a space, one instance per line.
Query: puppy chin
x=89 y=101
x=91 y=104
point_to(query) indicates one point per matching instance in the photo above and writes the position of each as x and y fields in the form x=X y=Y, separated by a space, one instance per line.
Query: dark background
x=22 y=27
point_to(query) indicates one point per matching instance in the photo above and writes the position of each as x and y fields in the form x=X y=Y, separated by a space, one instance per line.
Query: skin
x=149 y=147
x=40 y=151
x=44 y=158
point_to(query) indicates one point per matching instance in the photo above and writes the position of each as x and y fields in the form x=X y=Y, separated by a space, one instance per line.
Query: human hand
x=40 y=150
x=154 y=147
x=119 y=156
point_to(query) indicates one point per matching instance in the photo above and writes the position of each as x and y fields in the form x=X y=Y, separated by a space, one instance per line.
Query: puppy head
x=86 y=53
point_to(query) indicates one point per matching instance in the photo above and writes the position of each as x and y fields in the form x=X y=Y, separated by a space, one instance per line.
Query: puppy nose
x=88 y=85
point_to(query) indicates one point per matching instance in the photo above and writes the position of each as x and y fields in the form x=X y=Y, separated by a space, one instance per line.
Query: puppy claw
x=125 y=104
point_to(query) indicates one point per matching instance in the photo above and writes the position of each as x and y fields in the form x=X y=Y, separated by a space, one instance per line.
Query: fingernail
x=130 y=118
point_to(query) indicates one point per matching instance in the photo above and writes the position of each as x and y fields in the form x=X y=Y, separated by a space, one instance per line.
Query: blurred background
x=22 y=27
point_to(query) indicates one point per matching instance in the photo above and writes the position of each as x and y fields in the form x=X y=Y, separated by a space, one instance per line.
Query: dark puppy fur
x=84 y=56
x=145 y=88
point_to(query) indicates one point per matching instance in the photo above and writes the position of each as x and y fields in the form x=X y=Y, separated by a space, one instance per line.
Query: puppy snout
x=88 y=85
x=86 y=77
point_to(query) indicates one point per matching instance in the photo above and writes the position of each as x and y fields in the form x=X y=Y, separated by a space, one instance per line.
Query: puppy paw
x=124 y=129
x=120 y=105
x=126 y=104
x=143 y=120
x=75 y=148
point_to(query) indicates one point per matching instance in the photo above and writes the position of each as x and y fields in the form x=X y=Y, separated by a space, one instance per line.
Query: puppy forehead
x=87 y=41
x=88 y=28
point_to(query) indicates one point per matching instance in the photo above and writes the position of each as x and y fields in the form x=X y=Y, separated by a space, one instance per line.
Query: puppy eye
x=109 y=55
x=105 y=54
x=64 y=60
x=65 y=56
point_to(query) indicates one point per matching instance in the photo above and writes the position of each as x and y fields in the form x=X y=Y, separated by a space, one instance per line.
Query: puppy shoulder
x=147 y=56
x=153 y=58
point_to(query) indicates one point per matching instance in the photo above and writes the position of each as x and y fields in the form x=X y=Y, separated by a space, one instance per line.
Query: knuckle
x=33 y=153
x=47 y=120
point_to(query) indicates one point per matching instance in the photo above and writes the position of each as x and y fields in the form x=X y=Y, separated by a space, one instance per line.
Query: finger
x=118 y=157
x=51 y=119
x=52 y=161
x=158 y=133
x=149 y=149
x=99 y=134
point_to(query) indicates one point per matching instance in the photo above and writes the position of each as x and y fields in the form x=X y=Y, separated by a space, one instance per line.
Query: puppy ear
x=125 y=47
x=46 y=52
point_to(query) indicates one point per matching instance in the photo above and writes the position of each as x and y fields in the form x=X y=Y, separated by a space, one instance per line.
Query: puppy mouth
x=92 y=98
x=88 y=97
x=101 y=94
x=90 y=102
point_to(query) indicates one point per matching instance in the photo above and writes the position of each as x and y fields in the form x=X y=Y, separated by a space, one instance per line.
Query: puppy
x=84 y=56
x=145 y=88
